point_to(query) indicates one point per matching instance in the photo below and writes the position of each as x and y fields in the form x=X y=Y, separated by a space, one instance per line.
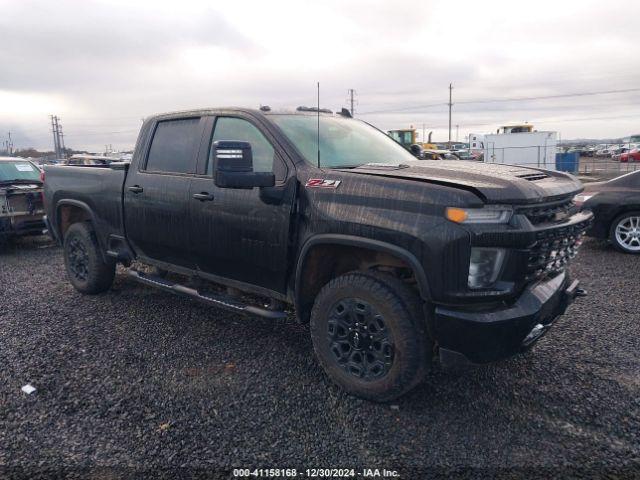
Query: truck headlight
x=489 y=214
x=484 y=266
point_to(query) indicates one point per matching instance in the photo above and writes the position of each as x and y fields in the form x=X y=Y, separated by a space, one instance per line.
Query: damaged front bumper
x=21 y=211
x=475 y=337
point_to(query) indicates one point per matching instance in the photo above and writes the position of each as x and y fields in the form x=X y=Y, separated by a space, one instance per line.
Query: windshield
x=18 y=170
x=343 y=142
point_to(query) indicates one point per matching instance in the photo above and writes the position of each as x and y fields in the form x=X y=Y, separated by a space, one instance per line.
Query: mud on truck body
x=394 y=262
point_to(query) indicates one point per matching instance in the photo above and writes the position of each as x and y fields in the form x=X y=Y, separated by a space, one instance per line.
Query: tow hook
x=581 y=292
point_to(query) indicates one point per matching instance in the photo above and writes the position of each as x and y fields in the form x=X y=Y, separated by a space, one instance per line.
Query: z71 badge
x=322 y=183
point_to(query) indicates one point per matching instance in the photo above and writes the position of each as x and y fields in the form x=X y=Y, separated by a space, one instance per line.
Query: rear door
x=156 y=194
x=243 y=234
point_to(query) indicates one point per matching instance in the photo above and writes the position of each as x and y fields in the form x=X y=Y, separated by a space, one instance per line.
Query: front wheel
x=86 y=269
x=625 y=232
x=368 y=334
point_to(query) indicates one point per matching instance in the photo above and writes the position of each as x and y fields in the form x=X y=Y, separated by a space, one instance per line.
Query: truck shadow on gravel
x=276 y=350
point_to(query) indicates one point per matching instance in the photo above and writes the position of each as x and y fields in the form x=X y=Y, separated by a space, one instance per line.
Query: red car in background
x=631 y=156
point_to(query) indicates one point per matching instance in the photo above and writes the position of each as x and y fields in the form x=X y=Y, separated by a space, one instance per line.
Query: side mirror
x=233 y=167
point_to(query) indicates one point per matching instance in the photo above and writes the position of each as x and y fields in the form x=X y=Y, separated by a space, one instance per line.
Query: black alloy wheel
x=369 y=334
x=78 y=260
x=359 y=339
x=88 y=270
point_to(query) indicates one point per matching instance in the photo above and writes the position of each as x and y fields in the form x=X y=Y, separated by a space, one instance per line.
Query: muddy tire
x=86 y=269
x=368 y=332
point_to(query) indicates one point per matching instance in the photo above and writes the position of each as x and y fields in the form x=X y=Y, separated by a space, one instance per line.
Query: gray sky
x=103 y=65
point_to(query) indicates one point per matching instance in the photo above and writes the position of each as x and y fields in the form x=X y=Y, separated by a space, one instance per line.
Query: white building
x=476 y=143
x=521 y=145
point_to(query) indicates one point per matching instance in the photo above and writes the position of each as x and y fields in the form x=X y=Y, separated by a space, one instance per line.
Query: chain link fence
x=600 y=168
x=606 y=167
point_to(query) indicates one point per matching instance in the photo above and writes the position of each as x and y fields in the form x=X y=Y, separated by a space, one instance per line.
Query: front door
x=156 y=194
x=243 y=234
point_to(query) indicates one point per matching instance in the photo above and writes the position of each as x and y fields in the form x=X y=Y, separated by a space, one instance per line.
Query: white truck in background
x=519 y=145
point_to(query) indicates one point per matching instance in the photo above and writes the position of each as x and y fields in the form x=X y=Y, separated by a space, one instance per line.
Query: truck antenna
x=318 y=128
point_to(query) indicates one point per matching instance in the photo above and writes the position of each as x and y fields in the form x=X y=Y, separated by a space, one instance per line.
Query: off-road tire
x=613 y=238
x=401 y=310
x=86 y=268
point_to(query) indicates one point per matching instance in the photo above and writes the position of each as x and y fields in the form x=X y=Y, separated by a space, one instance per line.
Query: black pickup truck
x=395 y=262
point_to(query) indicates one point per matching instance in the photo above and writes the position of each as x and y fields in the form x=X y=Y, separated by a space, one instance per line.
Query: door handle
x=203 y=196
x=136 y=189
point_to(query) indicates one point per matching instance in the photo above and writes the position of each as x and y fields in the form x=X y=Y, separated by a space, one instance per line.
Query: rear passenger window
x=173 y=146
x=228 y=128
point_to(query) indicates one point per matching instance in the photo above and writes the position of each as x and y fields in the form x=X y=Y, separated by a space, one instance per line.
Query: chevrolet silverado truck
x=394 y=262
x=21 y=209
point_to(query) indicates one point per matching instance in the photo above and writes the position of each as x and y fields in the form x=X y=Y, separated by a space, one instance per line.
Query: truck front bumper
x=474 y=337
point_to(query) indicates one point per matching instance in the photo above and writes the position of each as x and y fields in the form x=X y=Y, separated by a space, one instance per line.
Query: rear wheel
x=625 y=232
x=368 y=334
x=86 y=269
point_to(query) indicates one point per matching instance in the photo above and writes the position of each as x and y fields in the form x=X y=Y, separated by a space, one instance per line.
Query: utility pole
x=54 y=129
x=58 y=136
x=61 y=139
x=10 y=145
x=423 y=137
x=457 y=131
x=351 y=100
x=63 y=148
x=450 y=104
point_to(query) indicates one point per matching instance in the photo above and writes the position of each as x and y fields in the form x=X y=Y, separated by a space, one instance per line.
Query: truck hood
x=494 y=183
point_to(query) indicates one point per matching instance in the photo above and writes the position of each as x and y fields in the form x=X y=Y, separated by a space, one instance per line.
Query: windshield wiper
x=372 y=165
x=383 y=166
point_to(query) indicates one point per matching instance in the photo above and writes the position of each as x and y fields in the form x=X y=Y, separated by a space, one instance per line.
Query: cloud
x=103 y=65
x=92 y=44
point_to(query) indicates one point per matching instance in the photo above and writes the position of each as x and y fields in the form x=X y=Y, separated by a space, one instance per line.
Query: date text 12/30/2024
x=315 y=473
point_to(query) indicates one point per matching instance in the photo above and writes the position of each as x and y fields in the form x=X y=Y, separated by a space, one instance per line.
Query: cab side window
x=237 y=129
x=173 y=146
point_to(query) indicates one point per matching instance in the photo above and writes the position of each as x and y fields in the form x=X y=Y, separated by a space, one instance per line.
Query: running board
x=222 y=301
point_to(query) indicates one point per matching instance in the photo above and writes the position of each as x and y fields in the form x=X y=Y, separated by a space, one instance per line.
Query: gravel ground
x=136 y=382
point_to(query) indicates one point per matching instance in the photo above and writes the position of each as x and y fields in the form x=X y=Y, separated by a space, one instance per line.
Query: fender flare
x=83 y=206
x=352 y=240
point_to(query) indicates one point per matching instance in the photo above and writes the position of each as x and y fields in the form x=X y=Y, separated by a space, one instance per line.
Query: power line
x=548 y=97
x=545 y=120
x=102 y=133
x=503 y=100
x=394 y=110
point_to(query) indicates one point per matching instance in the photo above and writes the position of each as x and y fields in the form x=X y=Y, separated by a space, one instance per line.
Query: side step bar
x=208 y=298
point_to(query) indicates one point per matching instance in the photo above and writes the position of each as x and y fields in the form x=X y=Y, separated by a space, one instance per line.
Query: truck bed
x=95 y=189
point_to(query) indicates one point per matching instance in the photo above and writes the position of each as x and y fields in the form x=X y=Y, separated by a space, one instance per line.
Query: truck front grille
x=550 y=213
x=552 y=250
